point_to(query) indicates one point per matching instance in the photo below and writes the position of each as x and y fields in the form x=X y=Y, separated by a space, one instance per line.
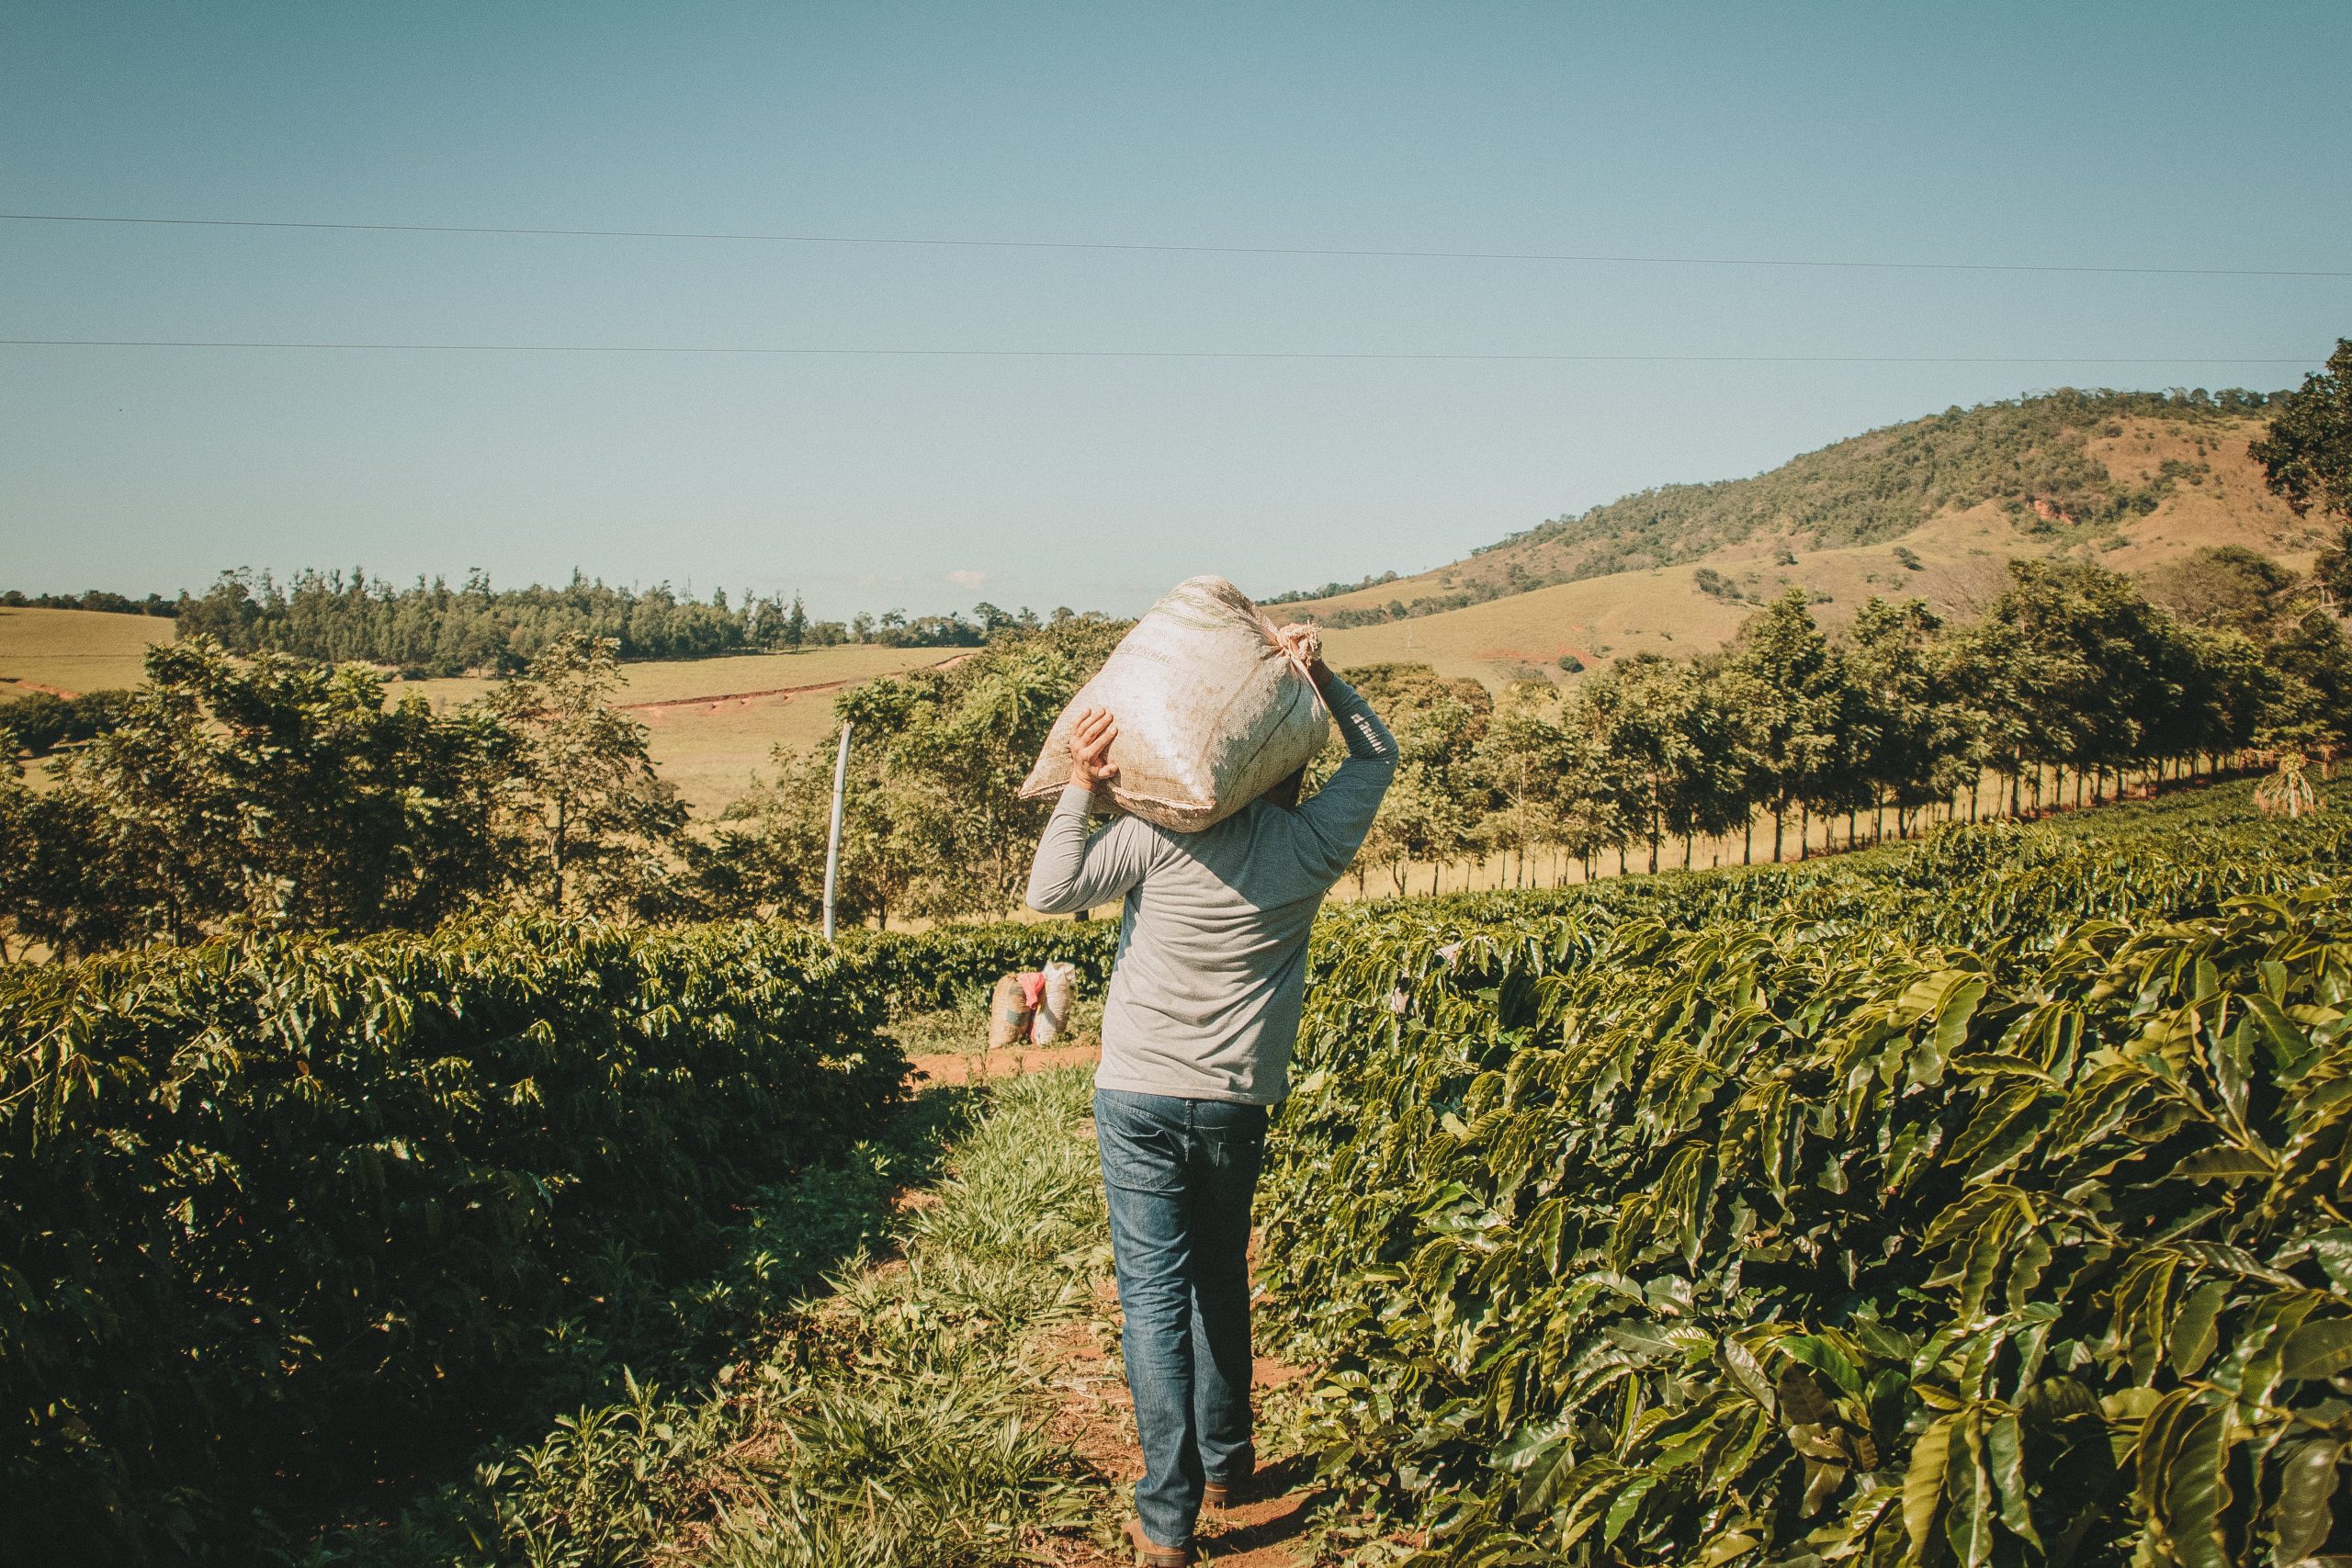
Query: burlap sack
x=1053 y=1009
x=1212 y=713
x=1010 y=1013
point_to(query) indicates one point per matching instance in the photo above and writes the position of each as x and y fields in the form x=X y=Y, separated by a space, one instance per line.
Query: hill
x=69 y=651
x=1930 y=507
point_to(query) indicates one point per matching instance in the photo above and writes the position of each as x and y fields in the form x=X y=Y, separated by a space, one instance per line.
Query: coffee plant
x=1981 y=1204
x=277 y=1216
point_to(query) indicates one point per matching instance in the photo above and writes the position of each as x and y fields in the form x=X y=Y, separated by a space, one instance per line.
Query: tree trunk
x=1779 y=822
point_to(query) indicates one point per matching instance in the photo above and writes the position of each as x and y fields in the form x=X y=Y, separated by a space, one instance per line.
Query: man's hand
x=1302 y=642
x=1089 y=750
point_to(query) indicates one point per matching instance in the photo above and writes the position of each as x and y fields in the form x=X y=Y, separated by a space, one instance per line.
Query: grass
x=76 y=651
x=900 y=1418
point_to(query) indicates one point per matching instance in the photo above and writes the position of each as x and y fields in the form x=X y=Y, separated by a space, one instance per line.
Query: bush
x=279 y=1217
x=43 y=721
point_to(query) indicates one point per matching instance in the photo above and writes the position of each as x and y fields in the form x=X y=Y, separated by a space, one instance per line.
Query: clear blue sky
x=2166 y=135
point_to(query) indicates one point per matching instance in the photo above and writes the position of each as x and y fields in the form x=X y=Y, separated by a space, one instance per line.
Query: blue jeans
x=1178 y=1174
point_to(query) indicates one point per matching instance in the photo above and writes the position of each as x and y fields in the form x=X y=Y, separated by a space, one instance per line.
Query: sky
x=2149 y=135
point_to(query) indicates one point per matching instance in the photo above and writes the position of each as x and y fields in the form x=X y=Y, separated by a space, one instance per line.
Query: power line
x=1149 y=353
x=1592 y=258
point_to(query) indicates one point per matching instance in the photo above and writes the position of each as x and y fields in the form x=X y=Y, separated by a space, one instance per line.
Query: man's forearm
x=1060 y=866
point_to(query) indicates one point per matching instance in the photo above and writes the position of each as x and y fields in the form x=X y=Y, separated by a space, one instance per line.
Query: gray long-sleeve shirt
x=1211 y=964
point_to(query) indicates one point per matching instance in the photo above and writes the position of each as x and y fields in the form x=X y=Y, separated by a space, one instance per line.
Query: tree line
x=272 y=790
x=2073 y=686
x=265 y=791
x=429 y=628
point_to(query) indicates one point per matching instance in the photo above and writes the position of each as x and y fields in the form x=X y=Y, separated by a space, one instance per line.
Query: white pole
x=833 y=841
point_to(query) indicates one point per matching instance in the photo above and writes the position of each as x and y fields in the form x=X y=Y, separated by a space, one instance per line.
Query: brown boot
x=1222 y=1494
x=1149 y=1553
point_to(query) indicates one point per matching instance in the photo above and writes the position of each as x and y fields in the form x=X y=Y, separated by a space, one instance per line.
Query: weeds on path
x=899 y=1420
x=906 y=1424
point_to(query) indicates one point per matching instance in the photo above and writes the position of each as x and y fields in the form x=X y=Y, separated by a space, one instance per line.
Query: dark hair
x=1285 y=789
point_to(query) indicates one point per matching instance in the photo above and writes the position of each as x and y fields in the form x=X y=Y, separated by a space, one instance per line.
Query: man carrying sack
x=1197 y=1031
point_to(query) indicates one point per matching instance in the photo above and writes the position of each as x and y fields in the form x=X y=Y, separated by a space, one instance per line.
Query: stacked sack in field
x=1031 y=1007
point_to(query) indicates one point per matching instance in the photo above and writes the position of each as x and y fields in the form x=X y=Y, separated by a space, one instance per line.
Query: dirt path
x=1012 y=1061
x=1266 y=1530
x=1096 y=1417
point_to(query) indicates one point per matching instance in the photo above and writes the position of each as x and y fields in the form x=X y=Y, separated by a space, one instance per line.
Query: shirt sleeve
x=1336 y=820
x=1074 y=872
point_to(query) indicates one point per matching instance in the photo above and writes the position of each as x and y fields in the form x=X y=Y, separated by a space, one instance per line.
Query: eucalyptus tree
x=1635 y=713
x=1527 y=769
x=2310 y=701
x=1711 y=790
x=2306 y=455
x=2225 y=690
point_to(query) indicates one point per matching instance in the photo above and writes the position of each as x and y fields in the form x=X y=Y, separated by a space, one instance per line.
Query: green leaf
x=2004 y=1449
x=1968 y=1494
x=2319 y=1349
x=2288 y=1044
x=1624 y=1506
x=2332 y=1250
x=1725 y=1548
x=1923 y=1487
x=2192 y=1328
x=2226 y=1164
x=2304 y=1515
x=2183 y=1484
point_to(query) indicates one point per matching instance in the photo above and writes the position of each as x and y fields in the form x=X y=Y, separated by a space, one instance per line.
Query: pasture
x=713 y=722
x=70 y=651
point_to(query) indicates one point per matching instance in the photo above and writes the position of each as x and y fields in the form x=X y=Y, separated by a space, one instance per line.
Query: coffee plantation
x=1980 y=1205
x=1971 y=1201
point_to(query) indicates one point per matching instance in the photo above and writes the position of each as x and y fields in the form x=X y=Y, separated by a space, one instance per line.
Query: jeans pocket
x=1236 y=1154
x=1138 y=1154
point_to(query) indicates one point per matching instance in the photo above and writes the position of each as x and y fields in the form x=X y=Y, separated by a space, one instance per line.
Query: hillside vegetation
x=1930 y=507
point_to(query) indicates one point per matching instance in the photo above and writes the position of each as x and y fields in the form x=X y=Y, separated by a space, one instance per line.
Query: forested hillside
x=2061 y=469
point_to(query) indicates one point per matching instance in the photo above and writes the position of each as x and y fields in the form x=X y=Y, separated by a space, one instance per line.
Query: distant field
x=1663 y=610
x=74 y=651
x=710 y=748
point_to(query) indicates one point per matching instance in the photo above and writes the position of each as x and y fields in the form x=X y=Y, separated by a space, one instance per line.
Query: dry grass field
x=713 y=722
x=74 y=651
